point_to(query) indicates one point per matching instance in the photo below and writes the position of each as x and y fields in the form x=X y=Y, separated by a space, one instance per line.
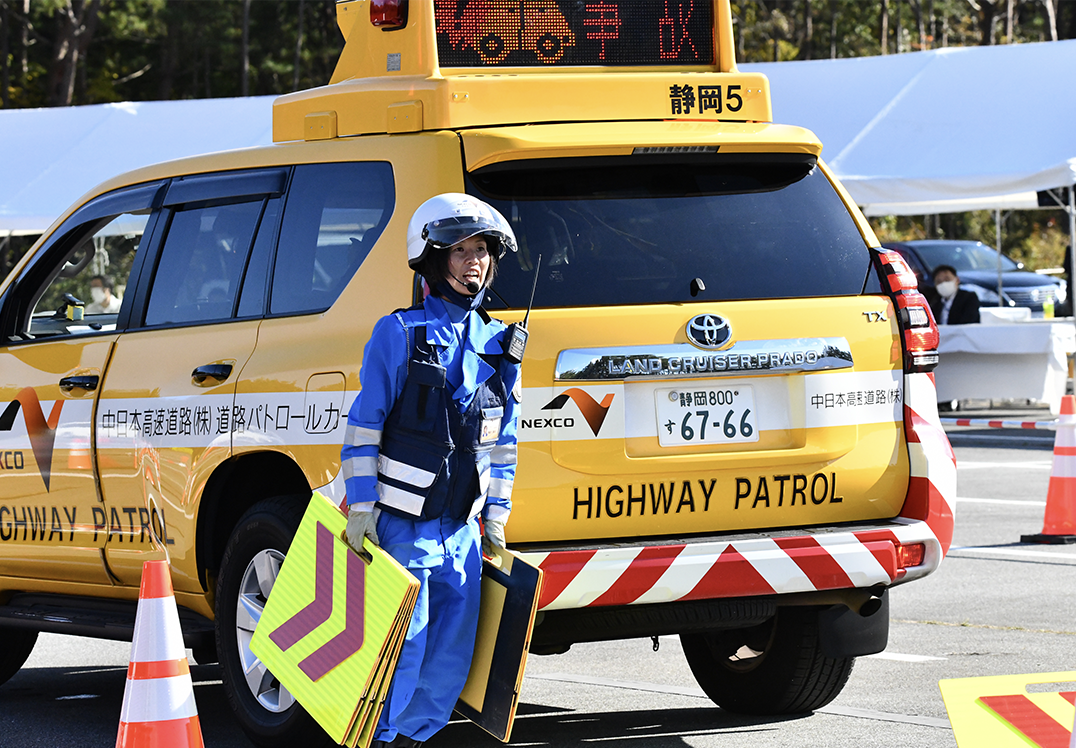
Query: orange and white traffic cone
x=158 y=702
x=1059 y=525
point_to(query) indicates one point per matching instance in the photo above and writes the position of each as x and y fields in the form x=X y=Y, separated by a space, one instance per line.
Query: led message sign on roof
x=513 y=33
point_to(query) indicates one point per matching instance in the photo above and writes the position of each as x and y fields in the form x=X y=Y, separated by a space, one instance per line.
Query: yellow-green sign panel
x=332 y=627
x=1011 y=710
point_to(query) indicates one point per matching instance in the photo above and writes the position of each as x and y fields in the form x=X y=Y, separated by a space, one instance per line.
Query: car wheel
x=774 y=668
x=18 y=644
x=267 y=712
x=205 y=654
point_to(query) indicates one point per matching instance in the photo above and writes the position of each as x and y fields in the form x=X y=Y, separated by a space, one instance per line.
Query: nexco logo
x=593 y=412
x=42 y=433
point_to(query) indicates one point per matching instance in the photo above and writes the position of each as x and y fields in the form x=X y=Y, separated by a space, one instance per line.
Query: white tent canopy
x=927 y=132
x=949 y=130
x=51 y=157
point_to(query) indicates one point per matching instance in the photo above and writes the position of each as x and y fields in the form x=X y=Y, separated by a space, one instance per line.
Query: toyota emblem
x=708 y=331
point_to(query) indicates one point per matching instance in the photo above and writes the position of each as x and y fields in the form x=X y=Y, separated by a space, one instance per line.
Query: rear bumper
x=777 y=562
x=736 y=566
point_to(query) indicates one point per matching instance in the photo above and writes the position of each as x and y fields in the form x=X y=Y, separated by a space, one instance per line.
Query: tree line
x=820 y=29
x=64 y=52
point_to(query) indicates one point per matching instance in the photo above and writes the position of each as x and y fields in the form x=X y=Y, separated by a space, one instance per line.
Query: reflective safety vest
x=435 y=460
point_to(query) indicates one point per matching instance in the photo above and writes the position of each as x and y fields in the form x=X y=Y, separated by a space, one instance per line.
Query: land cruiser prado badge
x=708 y=331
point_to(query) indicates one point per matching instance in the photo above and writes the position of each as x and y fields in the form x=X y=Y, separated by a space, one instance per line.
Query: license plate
x=706 y=415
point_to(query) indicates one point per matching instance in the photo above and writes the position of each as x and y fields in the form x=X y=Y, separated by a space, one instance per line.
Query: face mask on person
x=98 y=295
x=946 y=289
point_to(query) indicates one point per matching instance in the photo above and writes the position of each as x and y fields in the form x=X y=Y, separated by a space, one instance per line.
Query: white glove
x=494 y=533
x=361 y=525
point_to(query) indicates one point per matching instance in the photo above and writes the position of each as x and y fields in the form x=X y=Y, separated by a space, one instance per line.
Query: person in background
x=950 y=305
x=430 y=447
x=103 y=302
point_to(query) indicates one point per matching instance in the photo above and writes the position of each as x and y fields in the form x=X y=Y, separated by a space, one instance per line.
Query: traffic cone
x=158 y=702
x=1059 y=525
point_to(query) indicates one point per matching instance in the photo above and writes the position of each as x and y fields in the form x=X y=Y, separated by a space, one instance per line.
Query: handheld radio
x=515 y=337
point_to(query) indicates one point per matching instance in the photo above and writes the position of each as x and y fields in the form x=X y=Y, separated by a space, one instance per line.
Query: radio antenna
x=537 y=269
x=515 y=336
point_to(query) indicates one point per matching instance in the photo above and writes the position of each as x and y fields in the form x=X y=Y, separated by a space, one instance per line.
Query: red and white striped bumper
x=736 y=568
x=783 y=564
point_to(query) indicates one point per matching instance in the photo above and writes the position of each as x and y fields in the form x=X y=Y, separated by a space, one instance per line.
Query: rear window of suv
x=639 y=230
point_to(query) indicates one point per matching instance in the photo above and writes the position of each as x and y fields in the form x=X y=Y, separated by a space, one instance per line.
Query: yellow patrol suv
x=729 y=428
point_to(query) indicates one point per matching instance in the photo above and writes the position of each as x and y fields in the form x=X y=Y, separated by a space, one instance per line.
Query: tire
x=205 y=655
x=268 y=714
x=774 y=668
x=18 y=644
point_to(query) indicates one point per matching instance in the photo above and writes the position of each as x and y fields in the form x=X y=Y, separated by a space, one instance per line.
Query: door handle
x=216 y=372
x=88 y=383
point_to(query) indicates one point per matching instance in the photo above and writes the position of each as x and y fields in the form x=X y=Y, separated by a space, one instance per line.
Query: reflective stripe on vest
x=433 y=459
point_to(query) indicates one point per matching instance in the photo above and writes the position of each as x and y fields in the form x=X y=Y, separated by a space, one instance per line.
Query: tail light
x=910 y=555
x=388 y=14
x=919 y=331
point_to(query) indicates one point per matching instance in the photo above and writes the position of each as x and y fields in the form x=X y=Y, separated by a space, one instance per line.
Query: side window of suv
x=86 y=289
x=76 y=282
x=202 y=262
x=334 y=215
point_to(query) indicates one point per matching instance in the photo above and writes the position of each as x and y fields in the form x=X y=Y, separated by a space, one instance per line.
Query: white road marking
x=840 y=711
x=909 y=719
x=78 y=696
x=898 y=657
x=1017 y=552
x=1027 y=465
x=1017 y=502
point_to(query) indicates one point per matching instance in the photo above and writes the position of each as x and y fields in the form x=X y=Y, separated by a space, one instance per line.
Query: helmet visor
x=448 y=232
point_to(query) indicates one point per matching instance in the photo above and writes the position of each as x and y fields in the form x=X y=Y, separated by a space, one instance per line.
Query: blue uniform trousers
x=445 y=555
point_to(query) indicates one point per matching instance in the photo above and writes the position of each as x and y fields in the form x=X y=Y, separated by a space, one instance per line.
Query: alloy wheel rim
x=254 y=589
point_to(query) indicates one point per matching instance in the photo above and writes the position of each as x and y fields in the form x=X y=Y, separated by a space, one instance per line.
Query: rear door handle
x=216 y=372
x=88 y=383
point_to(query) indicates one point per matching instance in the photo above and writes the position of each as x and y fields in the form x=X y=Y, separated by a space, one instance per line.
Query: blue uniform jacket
x=382 y=377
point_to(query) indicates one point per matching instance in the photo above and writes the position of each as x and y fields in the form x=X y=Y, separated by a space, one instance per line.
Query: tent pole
x=1072 y=246
x=3 y=259
x=997 y=228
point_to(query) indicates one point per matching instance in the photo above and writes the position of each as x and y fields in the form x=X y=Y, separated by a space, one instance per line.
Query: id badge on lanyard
x=491 y=425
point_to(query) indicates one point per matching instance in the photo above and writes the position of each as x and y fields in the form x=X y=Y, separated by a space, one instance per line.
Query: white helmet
x=446 y=220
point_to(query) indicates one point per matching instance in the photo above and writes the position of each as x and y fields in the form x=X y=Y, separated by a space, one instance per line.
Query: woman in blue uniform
x=431 y=447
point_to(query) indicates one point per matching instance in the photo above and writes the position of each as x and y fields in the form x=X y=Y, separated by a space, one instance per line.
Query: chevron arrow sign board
x=333 y=625
x=1012 y=710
